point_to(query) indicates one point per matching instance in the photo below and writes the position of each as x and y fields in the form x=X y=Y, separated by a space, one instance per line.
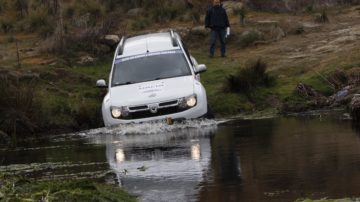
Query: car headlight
x=188 y=102
x=116 y=112
x=119 y=112
x=191 y=101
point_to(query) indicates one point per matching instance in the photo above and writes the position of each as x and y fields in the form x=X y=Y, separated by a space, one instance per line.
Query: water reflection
x=195 y=152
x=355 y=125
x=224 y=181
x=283 y=159
x=160 y=167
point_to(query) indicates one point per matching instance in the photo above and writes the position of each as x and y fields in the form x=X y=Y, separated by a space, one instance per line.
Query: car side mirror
x=200 y=68
x=101 y=83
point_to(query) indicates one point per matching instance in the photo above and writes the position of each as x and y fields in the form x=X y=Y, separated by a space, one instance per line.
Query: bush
x=248 y=78
x=87 y=114
x=162 y=14
x=38 y=18
x=18 y=106
x=69 y=11
x=40 y=21
x=91 y=7
x=139 y=24
x=68 y=44
x=7 y=23
x=164 y=11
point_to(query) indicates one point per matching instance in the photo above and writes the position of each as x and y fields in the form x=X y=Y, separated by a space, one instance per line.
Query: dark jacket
x=216 y=18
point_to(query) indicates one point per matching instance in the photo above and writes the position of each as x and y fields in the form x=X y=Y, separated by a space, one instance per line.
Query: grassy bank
x=14 y=188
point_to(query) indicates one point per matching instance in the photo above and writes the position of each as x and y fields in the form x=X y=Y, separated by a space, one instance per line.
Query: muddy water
x=278 y=159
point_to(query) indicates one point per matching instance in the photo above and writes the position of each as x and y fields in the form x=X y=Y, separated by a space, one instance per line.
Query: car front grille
x=160 y=112
x=141 y=107
x=162 y=108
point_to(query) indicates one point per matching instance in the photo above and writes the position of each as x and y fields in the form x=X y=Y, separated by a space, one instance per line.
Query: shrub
x=110 y=5
x=162 y=15
x=309 y=8
x=87 y=40
x=69 y=11
x=139 y=24
x=87 y=114
x=91 y=7
x=338 y=79
x=7 y=23
x=248 y=78
x=164 y=11
x=38 y=18
x=40 y=21
x=18 y=106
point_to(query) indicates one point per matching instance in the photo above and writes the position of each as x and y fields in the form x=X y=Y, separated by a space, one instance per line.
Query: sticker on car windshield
x=147 y=55
x=151 y=88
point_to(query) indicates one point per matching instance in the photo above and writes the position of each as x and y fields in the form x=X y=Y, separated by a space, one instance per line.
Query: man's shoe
x=211 y=56
x=223 y=56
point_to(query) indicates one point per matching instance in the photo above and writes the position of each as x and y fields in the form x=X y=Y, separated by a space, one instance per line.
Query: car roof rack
x=173 y=38
x=121 y=46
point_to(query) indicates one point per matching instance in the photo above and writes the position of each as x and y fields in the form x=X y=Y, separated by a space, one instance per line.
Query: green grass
x=20 y=189
x=227 y=103
x=320 y=84
x=69 y=98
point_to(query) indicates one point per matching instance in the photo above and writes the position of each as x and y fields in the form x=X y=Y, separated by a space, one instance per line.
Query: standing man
x=217 y=20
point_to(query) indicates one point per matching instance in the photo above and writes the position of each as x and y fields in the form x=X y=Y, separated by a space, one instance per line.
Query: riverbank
x=16 y=188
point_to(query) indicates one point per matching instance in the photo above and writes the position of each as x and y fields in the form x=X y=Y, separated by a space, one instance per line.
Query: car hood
x=152 y=91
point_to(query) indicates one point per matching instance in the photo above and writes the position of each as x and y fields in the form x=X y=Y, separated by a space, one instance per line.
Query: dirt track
x=319 y=45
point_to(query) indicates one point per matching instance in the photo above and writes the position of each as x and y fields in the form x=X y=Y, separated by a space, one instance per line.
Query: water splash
x=158 y=127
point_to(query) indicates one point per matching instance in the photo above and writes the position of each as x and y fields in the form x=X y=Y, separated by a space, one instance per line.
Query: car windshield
x=149 y=67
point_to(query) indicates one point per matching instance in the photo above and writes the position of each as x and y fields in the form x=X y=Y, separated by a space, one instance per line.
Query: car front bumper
x=199 y=110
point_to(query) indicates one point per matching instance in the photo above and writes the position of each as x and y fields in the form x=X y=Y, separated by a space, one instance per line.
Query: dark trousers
x=214 y=35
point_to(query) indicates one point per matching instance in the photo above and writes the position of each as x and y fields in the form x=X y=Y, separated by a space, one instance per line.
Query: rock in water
x=355 y=107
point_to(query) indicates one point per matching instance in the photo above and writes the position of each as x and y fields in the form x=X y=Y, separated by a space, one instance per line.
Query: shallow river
x=279 y=159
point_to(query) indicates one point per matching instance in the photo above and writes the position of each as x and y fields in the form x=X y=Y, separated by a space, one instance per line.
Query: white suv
x=153 y=77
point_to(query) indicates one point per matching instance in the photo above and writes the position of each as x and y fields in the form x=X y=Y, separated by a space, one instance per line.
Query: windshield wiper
x=168 y=77
x=125 y=83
